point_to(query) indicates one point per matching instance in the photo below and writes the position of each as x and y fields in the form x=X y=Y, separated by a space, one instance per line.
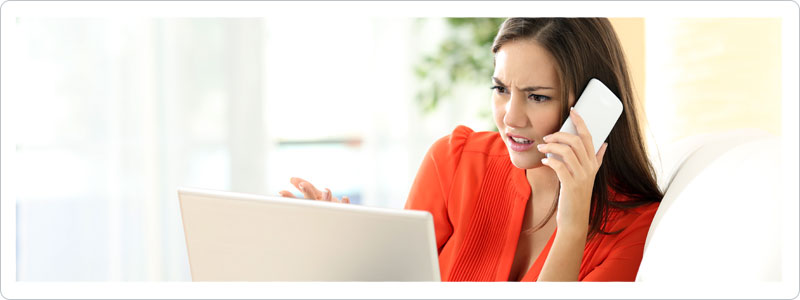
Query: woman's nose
x=515 y=113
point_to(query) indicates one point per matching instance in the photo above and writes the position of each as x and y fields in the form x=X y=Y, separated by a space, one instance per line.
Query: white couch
x=720 y=219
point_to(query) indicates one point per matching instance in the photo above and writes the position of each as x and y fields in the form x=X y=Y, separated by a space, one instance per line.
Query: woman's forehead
x=525 y=63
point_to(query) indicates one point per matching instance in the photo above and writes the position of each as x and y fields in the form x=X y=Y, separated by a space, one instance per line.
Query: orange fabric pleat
x=485 y=239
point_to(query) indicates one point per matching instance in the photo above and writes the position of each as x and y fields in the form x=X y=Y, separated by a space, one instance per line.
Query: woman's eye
x=499 y=89
x=538 y=98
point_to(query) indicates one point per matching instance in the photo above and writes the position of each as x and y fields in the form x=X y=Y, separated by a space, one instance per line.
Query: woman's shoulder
x=464 y=139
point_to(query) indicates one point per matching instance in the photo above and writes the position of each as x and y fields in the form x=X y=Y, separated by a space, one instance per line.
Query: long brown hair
x=586 y=48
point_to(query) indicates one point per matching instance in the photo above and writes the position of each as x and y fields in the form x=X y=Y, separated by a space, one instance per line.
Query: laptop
x=244 y=237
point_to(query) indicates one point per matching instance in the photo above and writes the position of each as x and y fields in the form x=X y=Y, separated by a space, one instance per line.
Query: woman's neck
x=543 y=180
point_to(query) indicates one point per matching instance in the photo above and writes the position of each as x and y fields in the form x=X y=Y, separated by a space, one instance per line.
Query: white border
x=395 y=290
x=788 y=288
x=790 y=135
x=704 y=9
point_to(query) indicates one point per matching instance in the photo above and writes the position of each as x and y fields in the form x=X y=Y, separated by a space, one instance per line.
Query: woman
x=494 y=195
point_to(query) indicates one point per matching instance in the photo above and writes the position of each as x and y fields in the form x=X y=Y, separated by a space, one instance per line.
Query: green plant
x=463 y=57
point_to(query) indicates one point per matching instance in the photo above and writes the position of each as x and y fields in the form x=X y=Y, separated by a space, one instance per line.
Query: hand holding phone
x=600 y=110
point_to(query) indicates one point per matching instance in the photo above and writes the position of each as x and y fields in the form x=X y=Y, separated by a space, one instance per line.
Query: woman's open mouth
x=519 y=143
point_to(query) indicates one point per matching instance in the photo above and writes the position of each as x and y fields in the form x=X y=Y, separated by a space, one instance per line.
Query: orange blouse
x=477 y=198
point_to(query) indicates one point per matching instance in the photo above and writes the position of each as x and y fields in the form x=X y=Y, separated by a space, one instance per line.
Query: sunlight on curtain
x=114 y=115
x=117 y=114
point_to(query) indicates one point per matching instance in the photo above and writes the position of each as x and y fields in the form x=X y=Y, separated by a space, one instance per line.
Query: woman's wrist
x=564 y=260
x=576 y=223
x=573 y=231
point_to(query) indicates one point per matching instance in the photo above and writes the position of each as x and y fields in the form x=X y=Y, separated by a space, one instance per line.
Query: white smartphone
x=600 y=110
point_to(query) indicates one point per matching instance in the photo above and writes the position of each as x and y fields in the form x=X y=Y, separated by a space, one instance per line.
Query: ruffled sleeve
x=431 y=188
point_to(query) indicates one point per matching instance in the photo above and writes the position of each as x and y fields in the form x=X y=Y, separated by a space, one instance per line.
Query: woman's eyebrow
x=526 y=89
x=534 y=88
x=498 y=82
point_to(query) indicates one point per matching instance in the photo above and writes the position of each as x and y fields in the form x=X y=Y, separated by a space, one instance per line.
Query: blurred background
x=112 y=115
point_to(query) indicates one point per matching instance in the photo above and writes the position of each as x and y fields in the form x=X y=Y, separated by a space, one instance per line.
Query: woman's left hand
x=576 y=173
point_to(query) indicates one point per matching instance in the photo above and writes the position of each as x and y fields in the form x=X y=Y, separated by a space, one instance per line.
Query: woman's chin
x=526 y=161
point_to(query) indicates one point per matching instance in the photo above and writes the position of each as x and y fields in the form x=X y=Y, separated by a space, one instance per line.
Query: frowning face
x=525 y=101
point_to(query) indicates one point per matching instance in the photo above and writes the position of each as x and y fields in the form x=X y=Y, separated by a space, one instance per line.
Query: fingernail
x=302 y=186
x=544 y=160
x=546 y=137
x=571 y=108
x=539 y=146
